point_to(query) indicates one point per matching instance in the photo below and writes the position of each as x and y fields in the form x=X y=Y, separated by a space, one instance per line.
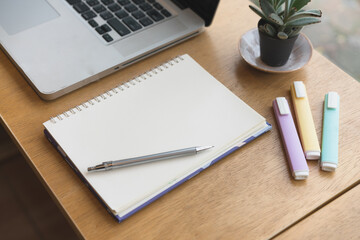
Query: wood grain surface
x=337 y=220
x=247 y=195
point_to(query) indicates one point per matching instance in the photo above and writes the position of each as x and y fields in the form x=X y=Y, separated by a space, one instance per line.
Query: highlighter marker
x=290 y=138
x=305 y=122
x=330 y=133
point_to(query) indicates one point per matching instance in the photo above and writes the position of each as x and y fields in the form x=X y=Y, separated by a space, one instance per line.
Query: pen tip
x=91 y=169
x=203 y=148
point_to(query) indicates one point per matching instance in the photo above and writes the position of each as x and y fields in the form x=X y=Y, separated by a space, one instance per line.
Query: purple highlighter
x=294 y=151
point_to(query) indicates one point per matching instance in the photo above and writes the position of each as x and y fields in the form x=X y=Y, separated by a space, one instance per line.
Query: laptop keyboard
x=115 y=19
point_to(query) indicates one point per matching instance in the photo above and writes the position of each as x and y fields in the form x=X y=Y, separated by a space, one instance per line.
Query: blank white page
x=180 y=106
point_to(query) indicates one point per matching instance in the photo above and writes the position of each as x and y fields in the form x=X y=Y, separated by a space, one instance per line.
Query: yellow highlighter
x=305 y=121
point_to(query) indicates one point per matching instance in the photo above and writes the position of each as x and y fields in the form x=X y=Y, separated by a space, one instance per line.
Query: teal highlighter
x=330 y=133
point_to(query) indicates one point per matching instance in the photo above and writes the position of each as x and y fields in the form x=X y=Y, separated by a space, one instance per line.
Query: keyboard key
x=120 y=28
x=93 y=23
x=132 y=23
x=146 y=21
x=107 y=2
x=106 y=28
x=166 y=13
x=138 y=14
x=107 y=38
x=158 y=6
x=155 y=15
x=88 y=15
x=121 y=14
x=114 y=7
x=99 y=8
x=103 y=29
x=106 y=15
x=123 y=2
x=81 y=7
x=151 y=1
x=145 y=7
x=92 y=2
x=100 y=30
x=72 y=2
x=137 y=2
x=131 y=8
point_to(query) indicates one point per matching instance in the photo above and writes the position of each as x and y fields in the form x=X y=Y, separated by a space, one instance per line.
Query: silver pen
x=146 y=159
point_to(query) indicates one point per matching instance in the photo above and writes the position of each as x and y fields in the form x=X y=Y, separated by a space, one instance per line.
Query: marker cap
x=328 y=167
x=300 y=175
x=312 y=155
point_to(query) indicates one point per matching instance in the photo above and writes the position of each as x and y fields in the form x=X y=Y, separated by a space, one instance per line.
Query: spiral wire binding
x=112 y=92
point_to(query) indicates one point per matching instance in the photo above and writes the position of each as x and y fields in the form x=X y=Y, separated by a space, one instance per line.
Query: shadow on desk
x=27 y=211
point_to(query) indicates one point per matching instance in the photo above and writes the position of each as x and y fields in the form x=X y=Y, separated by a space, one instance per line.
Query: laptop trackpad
x=19 y=15
x=144 y=41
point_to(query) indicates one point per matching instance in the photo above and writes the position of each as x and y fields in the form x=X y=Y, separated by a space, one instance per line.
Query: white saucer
x=250 y=51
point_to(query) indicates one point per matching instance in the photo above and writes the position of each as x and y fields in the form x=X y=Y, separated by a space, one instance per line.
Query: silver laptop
x=61 y=45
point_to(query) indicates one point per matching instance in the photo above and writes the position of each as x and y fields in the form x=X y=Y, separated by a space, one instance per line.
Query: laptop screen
x=204 y=8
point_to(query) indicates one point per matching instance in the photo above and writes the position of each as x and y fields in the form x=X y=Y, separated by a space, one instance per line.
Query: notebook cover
x=178 y=84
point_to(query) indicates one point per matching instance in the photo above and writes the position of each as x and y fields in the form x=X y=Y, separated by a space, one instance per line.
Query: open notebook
x=173 y=106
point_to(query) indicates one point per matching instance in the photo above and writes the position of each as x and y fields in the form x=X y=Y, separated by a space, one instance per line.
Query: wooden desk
x=337 y=220
x=248 y=195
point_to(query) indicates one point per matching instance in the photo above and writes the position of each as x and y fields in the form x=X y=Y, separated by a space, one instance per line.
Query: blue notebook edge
x=122 y=218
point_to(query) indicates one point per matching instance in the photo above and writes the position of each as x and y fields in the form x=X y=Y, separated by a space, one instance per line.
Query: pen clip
x=332 y=100
x=283 y=106
x=300 y=90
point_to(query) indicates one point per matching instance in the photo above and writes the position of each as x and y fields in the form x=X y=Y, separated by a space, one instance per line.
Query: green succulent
x=284 y=18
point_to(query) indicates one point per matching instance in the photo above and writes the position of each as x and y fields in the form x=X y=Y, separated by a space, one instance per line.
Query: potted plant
x=280 y=24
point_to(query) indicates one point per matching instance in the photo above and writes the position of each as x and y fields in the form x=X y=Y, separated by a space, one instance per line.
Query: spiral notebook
x=173 y=106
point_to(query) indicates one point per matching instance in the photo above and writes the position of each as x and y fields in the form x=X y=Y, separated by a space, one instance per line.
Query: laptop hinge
x=181 y=4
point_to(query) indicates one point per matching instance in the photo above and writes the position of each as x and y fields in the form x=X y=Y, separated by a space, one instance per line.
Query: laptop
x=62 y=45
